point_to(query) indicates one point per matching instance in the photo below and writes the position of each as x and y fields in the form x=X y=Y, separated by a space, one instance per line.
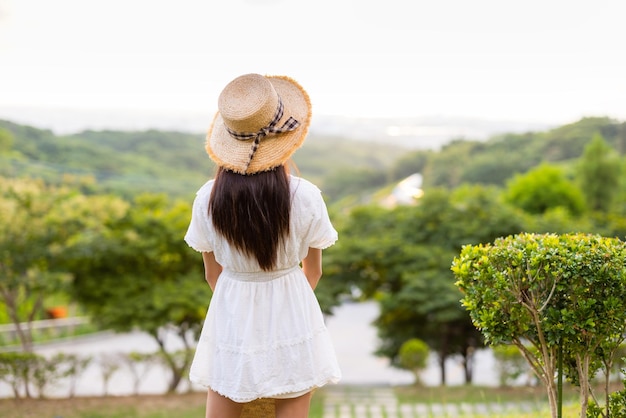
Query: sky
x=550 y=61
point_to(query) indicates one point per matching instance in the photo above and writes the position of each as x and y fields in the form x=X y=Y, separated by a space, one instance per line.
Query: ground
x=76 y=407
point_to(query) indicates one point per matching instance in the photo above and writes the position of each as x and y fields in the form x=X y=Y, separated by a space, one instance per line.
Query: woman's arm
x=312 y=266
x=212 y=269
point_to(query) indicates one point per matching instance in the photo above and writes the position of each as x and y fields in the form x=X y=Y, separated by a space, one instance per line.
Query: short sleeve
x=321 y=233
x=198 y=234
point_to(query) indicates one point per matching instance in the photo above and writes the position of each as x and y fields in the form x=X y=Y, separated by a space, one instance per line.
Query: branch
x=549 y=296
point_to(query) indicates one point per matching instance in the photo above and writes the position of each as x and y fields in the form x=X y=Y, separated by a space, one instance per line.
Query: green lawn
x=192 y=405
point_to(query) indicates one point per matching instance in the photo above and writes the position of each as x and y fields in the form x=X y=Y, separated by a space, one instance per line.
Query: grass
x=478 y=394
x=469 y=394
x=144 y=406
x=569 y=411
x=191 y=405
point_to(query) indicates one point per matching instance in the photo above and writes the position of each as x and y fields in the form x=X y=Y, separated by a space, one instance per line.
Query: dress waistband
x=259 y=276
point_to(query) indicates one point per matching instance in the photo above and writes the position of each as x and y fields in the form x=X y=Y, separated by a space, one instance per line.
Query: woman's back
x=307 y=229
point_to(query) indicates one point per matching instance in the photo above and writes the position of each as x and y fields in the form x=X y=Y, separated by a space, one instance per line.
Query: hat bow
x=271 y=128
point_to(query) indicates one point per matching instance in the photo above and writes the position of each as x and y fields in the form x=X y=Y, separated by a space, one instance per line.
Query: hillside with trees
x=567 y=180
x=84 y=213
x=174 y=163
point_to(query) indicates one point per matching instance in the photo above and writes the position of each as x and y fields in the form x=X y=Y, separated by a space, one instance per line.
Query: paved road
x=355 y=340
x=351 y=329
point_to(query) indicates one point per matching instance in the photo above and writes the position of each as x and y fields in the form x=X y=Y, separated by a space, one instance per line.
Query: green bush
x=551 y=292
x=617 y=406
x=413 y=356
x=16 y=369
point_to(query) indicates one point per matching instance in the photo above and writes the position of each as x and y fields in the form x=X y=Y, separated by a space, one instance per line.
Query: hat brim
x=274 y=150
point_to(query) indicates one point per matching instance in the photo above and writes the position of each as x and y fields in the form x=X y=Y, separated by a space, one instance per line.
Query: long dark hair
x=252 y=212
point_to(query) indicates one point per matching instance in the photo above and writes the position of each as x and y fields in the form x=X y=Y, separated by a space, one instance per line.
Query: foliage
x=543 y=188
x=413 y=356
x=38 y=222
x=599 y=174
x=569 y=141
x=410 y=163
x=128 y=163
x=351 y=181
x=137 y=272
x=616 y=404
x=16 y=369
x=322 y=157
x=75 y=365
x=549 y=290
x=139 y=364
x=6 y=141
x=402 y=257
x=497 y=159
x=47 y=371
x=109 y=364
x=446 y=167
x=172 y=162
x=21 y=369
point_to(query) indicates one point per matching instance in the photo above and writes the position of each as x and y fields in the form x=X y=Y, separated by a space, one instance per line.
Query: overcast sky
x=534 y=60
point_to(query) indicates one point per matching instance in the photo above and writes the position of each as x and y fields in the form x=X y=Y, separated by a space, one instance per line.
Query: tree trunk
x=9 y=297
x=177 y=372
x=552 y=400
x=468 y=364
x=443 y=356
x=544 y=371
x=583 y=377
x=442 y=368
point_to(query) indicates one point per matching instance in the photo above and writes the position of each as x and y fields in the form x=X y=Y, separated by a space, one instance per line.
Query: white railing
x=55 y=325
x=47 y=323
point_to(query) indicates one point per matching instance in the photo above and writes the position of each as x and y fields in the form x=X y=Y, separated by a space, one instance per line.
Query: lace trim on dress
x=234 y=349
x=298 y=390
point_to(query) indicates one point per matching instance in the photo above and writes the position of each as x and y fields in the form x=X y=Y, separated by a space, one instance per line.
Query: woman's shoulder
x=300 y=185
x=205 y=190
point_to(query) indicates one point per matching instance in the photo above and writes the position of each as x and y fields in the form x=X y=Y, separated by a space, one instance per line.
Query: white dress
x=264 y=334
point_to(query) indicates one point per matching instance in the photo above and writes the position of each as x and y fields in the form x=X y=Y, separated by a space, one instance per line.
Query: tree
x=426 y=306
x=402 y=258
x=109 y=365
x=621 y=139
x=139 y=365
x=414 y=357
x=411 y=163
x=47 y=372
x=353 y=181
x=545 y=292
x=74 y=366
x=137 y=272
x=6 y=141
x=542 y=188
x=37 y=222
x=446 y=168
x=16 y=369
x=599 y=174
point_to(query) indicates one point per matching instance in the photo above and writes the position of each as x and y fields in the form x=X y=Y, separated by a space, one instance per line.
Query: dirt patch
x=78 y=406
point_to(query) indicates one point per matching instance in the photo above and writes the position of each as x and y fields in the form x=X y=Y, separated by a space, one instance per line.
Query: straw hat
x=261 y=121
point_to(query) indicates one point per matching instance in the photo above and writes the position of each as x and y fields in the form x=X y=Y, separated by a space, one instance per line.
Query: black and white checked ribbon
x=289 y=125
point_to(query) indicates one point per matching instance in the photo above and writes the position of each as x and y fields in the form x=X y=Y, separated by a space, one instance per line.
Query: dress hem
x=272 y=395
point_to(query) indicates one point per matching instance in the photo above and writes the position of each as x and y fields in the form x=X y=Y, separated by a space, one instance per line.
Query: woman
x=261 y=233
